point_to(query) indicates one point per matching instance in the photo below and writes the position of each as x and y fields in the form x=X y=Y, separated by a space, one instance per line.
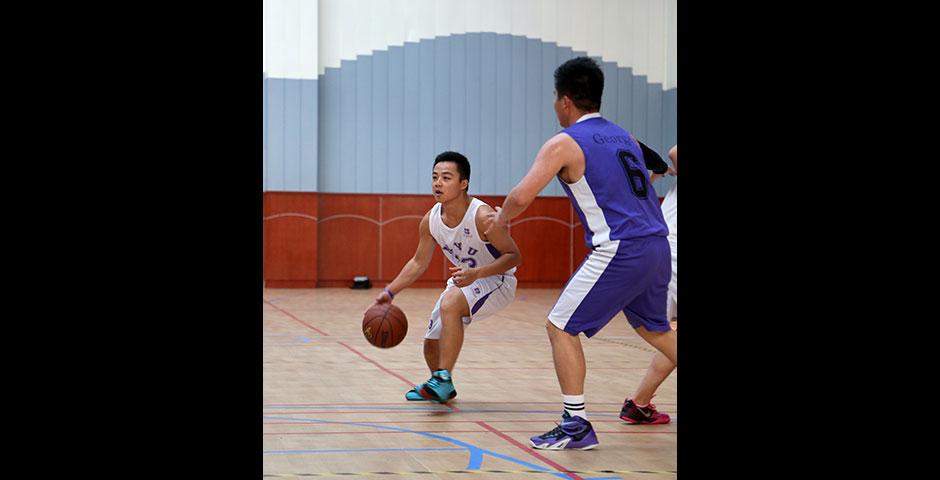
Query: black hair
x=581 y=80
x=463 y=165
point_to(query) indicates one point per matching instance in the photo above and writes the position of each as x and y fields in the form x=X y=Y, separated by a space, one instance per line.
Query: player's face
x=445 y=181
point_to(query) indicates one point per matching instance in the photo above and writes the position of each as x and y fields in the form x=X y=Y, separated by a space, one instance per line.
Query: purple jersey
x=614 y=198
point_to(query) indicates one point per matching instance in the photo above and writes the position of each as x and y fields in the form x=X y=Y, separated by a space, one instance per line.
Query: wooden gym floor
x=333 y=405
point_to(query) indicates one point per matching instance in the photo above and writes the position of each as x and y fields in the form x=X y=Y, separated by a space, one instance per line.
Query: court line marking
x=528 y=450
x=285 y=312
x=377 y=364
x=281 y=452
x=476 y=453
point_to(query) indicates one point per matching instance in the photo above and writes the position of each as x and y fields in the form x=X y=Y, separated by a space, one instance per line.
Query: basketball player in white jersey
x=638 y=410
x=481 y=282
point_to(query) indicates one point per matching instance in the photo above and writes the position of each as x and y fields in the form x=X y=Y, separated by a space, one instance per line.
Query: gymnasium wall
x=360 y=96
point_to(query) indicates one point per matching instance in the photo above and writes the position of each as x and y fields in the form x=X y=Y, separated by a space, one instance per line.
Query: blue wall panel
x=375 y=124
x=640 y=96
x=378 y=131
x=264 y=136
x=309 y=135
x=489 y=99
x=394 y=119
x=472 y=138
x=411 y=123
x=275 y=135
x=292 y=117
x=423 y=161
x=330 y=128
x=364 y=171
x=624 y=97
x=518 y=118
x=457 y=94
x=347 y=137
x=441 y=112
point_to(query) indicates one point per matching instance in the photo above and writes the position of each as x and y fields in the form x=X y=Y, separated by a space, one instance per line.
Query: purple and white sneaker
x=572 y=433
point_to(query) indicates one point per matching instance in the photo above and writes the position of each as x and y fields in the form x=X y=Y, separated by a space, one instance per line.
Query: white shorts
x=672 y=306
x=485 y=297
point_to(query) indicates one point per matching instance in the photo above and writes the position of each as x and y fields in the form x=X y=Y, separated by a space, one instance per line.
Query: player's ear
x=465 y=184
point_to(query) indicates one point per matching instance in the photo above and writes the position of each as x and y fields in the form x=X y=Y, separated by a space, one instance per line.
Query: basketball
x=384 y=325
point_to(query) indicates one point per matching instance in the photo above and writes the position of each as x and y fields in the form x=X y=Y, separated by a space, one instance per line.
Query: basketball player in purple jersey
x=605 y=175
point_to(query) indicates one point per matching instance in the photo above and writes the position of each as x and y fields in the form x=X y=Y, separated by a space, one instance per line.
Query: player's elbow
x=420 y=264
x=519 y=198
x=516 y=259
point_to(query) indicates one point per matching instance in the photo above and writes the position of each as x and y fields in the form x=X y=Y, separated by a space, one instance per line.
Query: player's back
x=614 y=198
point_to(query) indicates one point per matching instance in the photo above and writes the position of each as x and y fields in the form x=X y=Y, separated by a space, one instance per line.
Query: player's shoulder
x=483 y=209
x=426 y=219
x=561 y=148
x=480 y=217
x=561 y=138
x=560 y=142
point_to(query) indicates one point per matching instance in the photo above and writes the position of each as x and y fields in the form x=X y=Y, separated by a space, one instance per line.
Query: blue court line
x=271 y=452
x=327 y=407
x=419 y=409
x=476 y=453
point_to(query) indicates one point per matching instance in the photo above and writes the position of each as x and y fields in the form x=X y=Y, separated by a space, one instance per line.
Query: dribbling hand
x=383 y=298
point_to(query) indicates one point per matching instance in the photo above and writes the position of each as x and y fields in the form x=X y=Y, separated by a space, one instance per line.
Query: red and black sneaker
x=642 y=416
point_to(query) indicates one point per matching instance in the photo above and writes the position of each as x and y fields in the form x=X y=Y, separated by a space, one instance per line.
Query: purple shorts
x=629 y=276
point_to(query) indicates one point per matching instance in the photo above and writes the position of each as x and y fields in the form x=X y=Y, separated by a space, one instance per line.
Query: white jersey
x=462 y=244
x=670 y=213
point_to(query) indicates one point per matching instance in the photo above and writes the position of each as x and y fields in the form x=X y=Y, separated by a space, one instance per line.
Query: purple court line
x=276 y=452
x=285 y=312
x=328 y=412
x=383 y=422
x=614 y=432
x=550 y=368
x=354 y=404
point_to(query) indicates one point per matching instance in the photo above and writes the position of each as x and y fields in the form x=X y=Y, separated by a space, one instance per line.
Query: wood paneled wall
x=325 y=239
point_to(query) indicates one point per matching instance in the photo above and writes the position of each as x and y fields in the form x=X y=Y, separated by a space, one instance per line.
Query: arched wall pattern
x=375 y=124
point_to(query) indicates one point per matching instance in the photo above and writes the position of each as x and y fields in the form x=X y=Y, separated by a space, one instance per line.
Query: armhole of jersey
x=434 y=216
x=476 y=209
x=583 y=155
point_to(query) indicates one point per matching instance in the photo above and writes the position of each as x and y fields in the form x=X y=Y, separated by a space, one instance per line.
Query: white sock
x=574 y=405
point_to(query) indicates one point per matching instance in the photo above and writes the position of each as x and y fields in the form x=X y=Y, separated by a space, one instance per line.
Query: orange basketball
x=384 y=325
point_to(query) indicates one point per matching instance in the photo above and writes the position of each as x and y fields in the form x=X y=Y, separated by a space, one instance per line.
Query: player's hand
x=656 y=176
x=463 y=275
x=492 y=221
x=383 y=298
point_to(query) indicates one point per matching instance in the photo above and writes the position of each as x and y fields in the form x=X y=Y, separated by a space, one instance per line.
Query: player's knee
x=553 y=329
x=453 y=303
